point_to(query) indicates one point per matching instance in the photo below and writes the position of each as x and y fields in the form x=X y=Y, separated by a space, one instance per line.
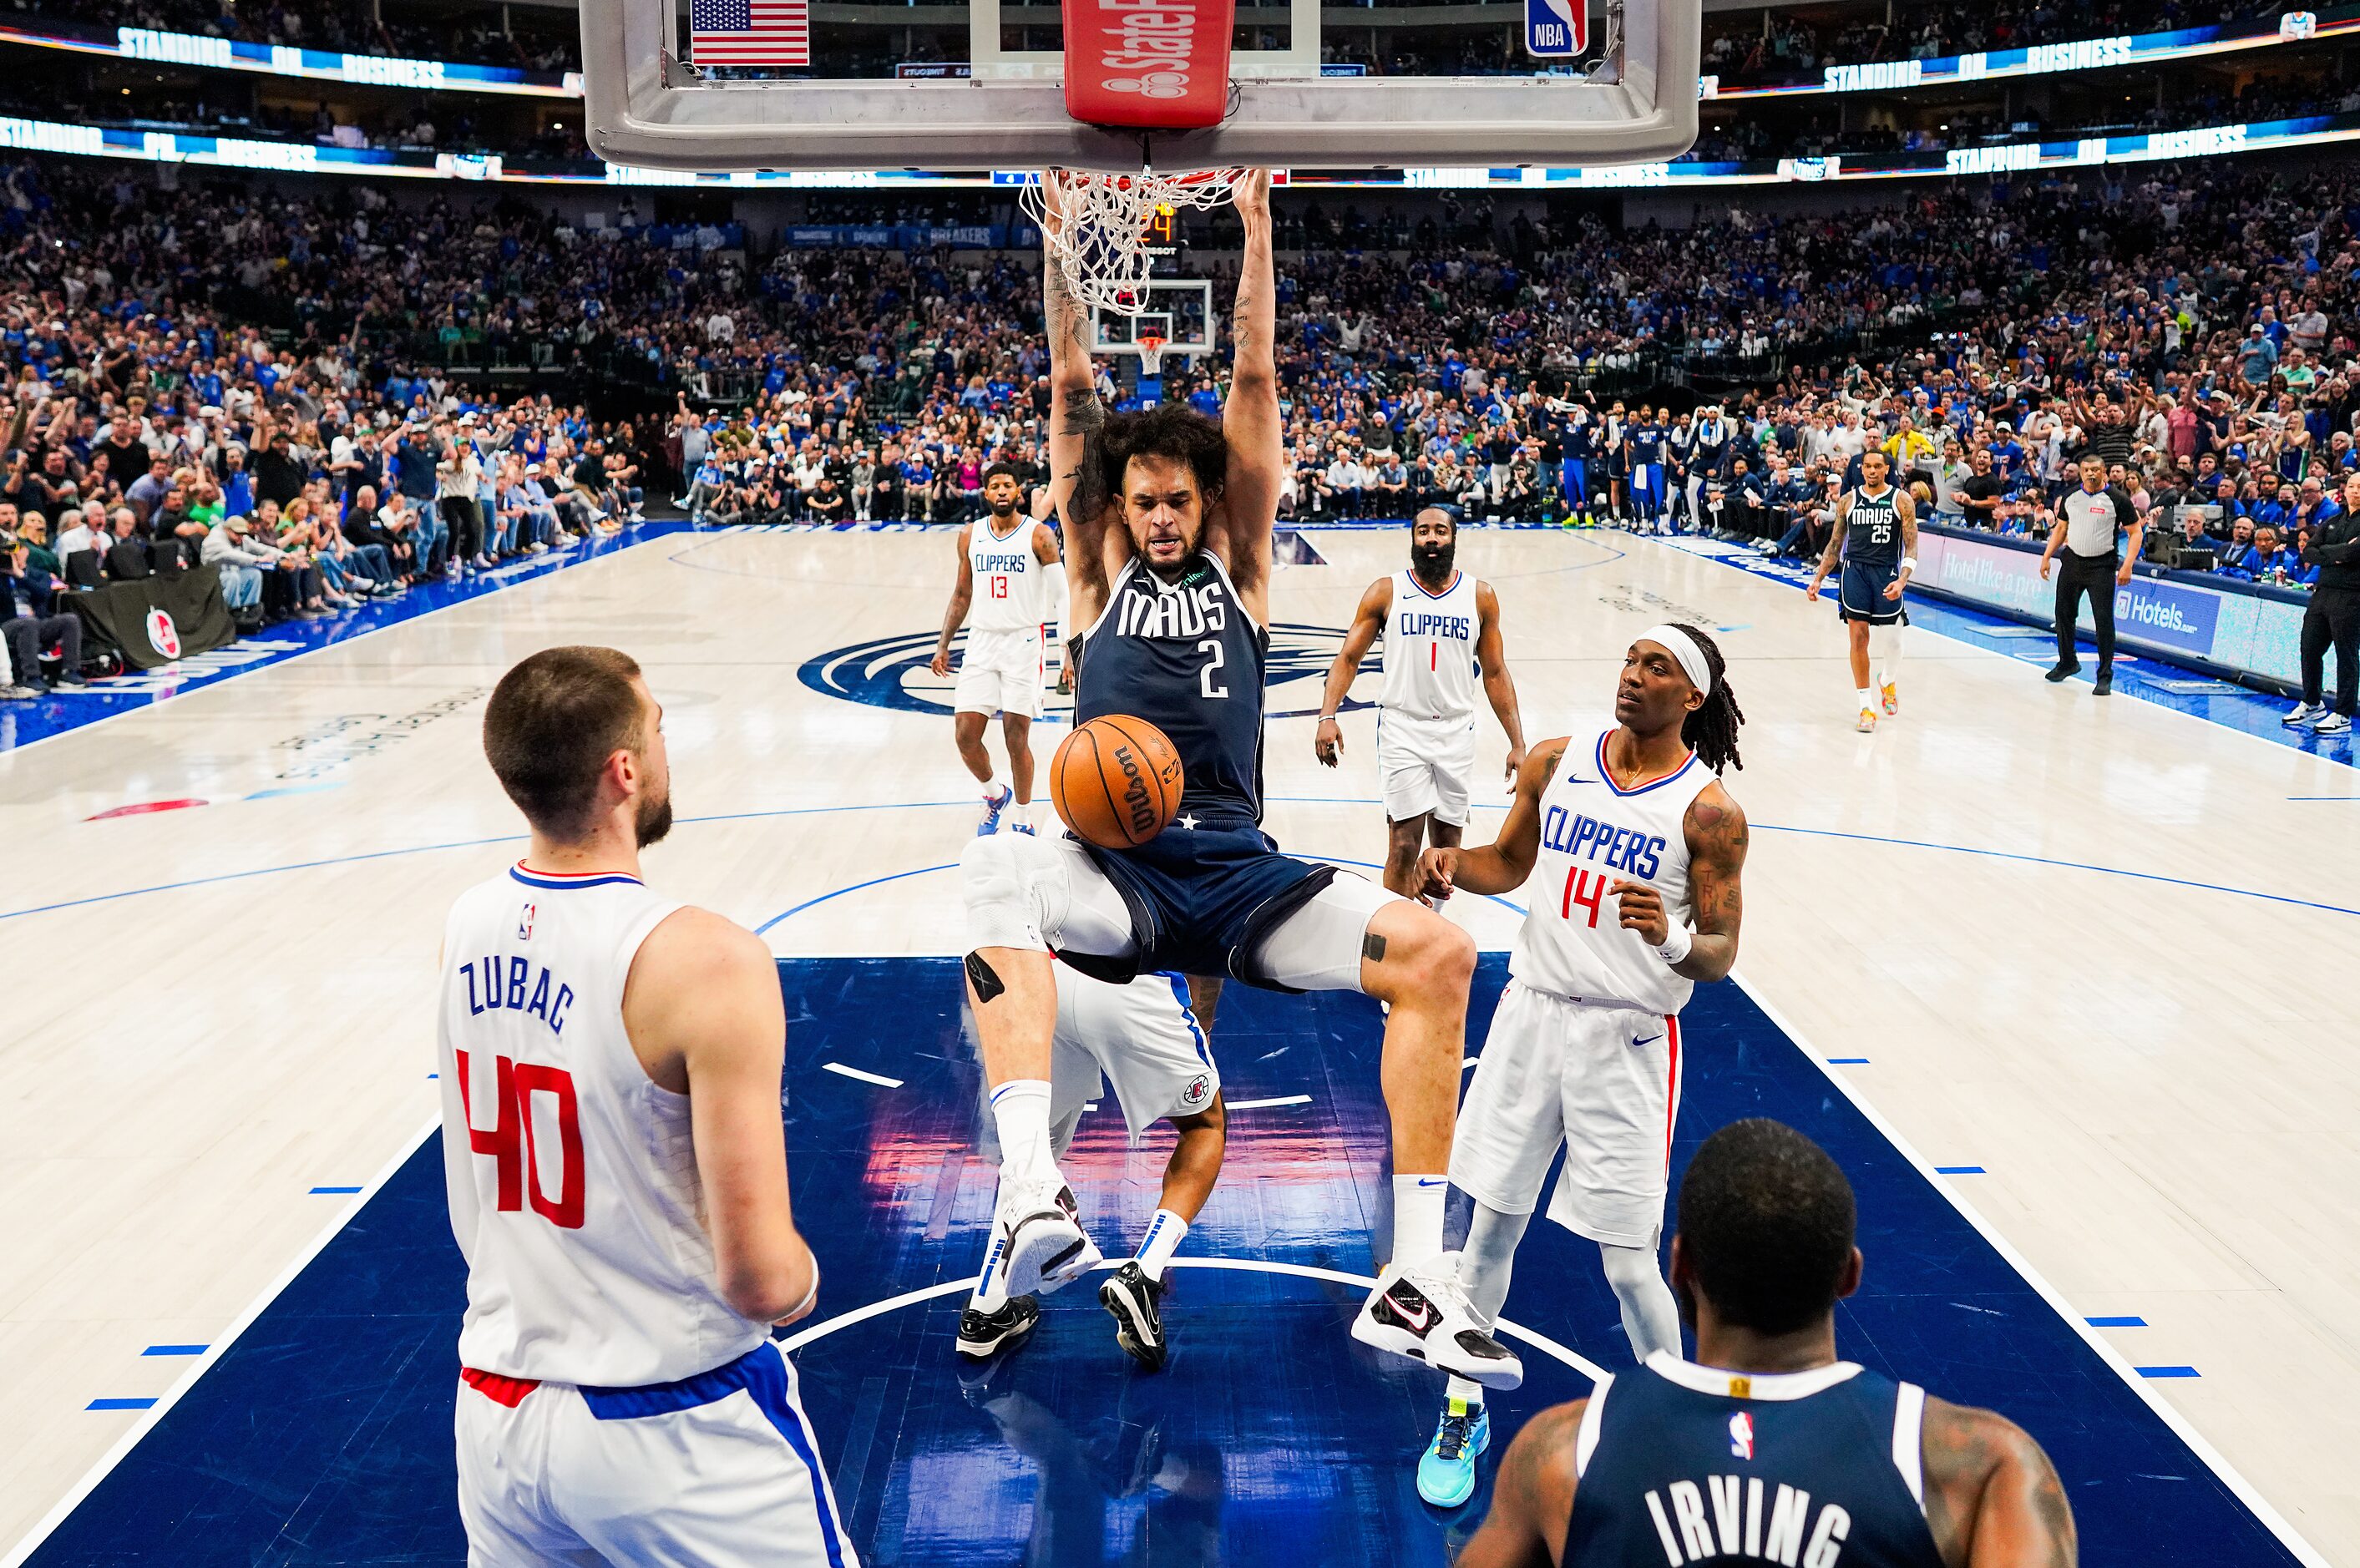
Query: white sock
x=1020 y=1107
x=1164 y=1235
x=1867 y=698
x=1417 y=1219
x=1651 y=1318
x=991 y=786
x=1465 y=1397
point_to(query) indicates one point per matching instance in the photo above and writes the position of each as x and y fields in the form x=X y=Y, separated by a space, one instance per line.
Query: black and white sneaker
x=1134 y=1300
x=1037 y=1229
x=1423 y=1315
x=983 y=1333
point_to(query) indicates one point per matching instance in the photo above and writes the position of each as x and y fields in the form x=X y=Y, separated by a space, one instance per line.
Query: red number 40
x=511 y=1139
x=1585 y=892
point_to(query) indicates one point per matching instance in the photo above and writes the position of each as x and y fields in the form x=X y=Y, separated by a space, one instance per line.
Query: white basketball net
x=1100 y=232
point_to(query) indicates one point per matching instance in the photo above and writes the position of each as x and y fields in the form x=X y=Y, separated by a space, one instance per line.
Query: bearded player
x=1634 y=853
x=1010 y=581
x=1441 y=628
x=1168 y=518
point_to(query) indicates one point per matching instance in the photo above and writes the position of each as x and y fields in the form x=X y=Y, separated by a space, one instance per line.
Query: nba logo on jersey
x=1741 y=1434
x=524 y=922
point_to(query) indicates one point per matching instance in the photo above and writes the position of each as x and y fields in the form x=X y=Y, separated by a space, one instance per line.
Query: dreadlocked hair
x=1712 y=730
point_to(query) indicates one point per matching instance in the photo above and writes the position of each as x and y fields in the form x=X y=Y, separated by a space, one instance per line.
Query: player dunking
x=1441 y=628
x=1169 y=517
x=1010 y=579
x=1876 y=537
x=616 y=1171
x=1766 y=1448
x=1143 y=1038
x=1634 y=853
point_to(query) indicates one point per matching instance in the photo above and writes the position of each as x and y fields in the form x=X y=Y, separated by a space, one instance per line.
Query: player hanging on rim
x=1168 y=518
x=1634 y=853
x=1441 y=628
x=1876 y=537
x=1010 y=579
x=1145 y=1039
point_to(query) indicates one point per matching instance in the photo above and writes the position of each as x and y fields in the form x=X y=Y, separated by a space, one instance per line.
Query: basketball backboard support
x=1633 y=99
x=1176 y=319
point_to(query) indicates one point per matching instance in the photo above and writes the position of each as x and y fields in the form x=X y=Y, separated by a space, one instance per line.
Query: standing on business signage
x=2332 y=618
x=2088 y=530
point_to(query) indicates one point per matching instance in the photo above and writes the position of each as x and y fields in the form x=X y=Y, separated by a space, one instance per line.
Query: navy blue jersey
x=1873 y=531
x=1186 y=656
x=1683 y=1463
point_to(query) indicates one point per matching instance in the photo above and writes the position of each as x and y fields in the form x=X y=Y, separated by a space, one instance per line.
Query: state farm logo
x=163 y=635
x=1153 y=45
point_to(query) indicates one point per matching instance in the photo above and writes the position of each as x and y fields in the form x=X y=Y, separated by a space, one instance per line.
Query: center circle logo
x=891 y=672
x=163 y=635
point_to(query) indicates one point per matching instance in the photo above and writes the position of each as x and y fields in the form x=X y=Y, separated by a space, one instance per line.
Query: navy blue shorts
x=1860 y=596
x=1203 y=900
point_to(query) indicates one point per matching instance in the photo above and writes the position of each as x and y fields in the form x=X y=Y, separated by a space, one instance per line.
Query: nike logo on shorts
x=1649 y=1040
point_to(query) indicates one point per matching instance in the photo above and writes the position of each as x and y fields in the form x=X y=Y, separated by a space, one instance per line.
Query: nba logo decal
x=524 y=922
x=1556 y=29
x=1741 y=1434
x=1200 y=1088
x=163 y=635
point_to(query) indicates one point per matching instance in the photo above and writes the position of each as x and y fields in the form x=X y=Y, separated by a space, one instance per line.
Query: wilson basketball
x=1115 y=781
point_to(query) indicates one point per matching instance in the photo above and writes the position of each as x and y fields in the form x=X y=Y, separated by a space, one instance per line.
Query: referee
x=2091 y=522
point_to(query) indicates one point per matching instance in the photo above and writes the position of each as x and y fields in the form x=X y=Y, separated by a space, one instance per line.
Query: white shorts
x=717 y=1471
x=1426 y=765
x=1602 y=1081
x=1140 y=1037
x=1000 y=672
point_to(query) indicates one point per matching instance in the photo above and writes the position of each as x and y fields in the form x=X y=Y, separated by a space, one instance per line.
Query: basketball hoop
x=1151 y=355
x=1099 y=228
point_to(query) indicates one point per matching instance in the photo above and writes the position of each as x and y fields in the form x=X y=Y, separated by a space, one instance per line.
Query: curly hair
x=1169 y=430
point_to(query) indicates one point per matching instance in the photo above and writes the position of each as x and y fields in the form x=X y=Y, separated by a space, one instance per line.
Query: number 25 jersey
x=571 y=1176
x=1593 y=834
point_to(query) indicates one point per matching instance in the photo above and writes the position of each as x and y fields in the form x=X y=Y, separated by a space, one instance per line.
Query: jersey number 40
x=514 y=1140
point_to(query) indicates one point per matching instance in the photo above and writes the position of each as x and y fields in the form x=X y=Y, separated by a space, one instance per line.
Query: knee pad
x=1003 y=891
x=1629 y=1269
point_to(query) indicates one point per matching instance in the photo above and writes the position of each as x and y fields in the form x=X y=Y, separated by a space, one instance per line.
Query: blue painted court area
x=22 y=724
x=323 y=1434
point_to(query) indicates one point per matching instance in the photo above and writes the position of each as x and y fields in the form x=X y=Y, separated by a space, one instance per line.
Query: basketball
x=1115 y=781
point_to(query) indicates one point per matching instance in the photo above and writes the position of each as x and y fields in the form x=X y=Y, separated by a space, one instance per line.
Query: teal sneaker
x=1446 y=1472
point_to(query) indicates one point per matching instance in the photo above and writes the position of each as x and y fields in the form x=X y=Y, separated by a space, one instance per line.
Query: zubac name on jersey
x=518 y=984
x=1411 y=621
x=1637 y=854
x=1745 y=1519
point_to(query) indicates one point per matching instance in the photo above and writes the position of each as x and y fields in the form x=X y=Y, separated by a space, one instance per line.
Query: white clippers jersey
x=1430 y=649
x=1572 y=943
x=1011 y=592
x=572 y=1177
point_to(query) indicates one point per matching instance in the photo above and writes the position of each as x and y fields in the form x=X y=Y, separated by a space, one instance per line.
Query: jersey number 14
x=1584 y=891
x=515 y=1141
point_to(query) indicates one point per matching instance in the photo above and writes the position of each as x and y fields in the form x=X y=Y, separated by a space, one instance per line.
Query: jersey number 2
x=512 y=1143
x=1205 y=681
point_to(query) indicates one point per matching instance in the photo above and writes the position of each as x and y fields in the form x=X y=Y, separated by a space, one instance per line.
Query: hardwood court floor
x=2098 y=950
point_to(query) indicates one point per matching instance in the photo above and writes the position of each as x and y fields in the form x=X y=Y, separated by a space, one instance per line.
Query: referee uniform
x=2094 y=522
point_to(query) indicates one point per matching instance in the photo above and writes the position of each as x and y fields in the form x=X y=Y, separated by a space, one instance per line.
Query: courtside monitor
x=714 y=86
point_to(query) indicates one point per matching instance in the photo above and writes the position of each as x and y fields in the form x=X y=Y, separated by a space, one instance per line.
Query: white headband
x=1684 y=648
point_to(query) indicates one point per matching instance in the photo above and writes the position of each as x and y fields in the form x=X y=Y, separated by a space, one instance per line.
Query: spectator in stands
x=28 y=637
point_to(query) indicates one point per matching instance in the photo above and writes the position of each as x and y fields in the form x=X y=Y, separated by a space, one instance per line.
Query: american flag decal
x=749 y=32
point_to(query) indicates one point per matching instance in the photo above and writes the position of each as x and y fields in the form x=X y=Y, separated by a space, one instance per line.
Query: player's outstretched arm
x=703 y=1012
x=1327 y=740
x=1250 y=415
x=1715 y=832
x=1532 y=1501
x=962 y=596
x=1499 y=686
x=1993 y=1499
x=1076 y=421
x=1503 y=865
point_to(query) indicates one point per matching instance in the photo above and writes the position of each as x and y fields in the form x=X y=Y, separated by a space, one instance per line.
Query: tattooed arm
x=1532 y=1501
x=1715 y=831
x=1905 y=508
x=1993 y=1499
x=1835 y=546
x=1502 y=866
x=1076 y=418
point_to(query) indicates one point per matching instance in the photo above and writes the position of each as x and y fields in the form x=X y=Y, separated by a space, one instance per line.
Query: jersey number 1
x=511 y=1141
x=1583 y=891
